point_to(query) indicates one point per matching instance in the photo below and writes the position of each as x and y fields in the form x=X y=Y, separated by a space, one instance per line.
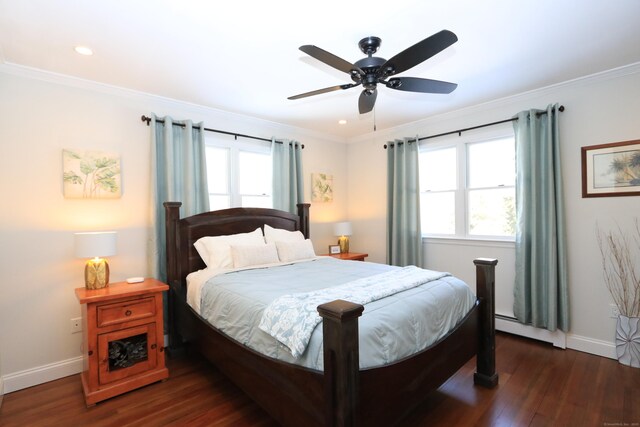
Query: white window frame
x=235 y=147
x=462 y=188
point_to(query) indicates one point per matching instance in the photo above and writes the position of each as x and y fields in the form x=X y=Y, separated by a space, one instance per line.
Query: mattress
x=390 y=329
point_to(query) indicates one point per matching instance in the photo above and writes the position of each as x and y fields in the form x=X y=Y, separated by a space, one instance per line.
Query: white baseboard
x=42 y=374
x=592 y=346
x=557 y=338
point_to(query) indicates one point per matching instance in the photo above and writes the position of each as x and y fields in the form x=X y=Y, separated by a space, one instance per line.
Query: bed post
x=341 y=362
x=486 y=374
x=303 y=213
x=172 y=215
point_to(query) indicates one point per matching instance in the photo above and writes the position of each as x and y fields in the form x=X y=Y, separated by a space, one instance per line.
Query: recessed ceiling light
x=83 y=50
x=342 y=122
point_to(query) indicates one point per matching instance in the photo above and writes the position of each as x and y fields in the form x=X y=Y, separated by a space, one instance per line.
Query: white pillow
x=215 y=251
x=273 y=235
x=293 y=251
x=250 y=255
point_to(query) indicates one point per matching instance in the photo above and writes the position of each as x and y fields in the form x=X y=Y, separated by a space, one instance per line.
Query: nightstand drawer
x=125 y=311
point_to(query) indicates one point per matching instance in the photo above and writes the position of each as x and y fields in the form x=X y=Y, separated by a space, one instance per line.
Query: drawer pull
x=153 y=346
x=127 y=313
x=90 y=352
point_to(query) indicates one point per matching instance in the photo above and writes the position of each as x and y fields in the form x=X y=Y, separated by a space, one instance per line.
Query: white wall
x=41 y=114
x=600 y=109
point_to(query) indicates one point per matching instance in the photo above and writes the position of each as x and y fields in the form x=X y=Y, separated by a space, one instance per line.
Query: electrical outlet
x=615 y=312
x=76 y=325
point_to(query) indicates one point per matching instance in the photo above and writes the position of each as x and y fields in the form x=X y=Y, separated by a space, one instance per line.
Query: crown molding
x=410 y=128
x=278 y=129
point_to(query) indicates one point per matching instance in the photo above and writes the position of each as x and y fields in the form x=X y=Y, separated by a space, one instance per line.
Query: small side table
x=349 y=256
x=123 y=338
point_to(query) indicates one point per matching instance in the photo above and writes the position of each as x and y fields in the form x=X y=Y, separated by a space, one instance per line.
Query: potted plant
x=621 y=265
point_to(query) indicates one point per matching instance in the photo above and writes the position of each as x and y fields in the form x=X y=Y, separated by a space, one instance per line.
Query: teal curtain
x=288 y=188
x=404 y=239
x=178 y=174
x=540 y=292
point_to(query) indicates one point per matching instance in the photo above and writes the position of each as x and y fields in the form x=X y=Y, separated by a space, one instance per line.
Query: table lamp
x=343 y=229
x=95 y=245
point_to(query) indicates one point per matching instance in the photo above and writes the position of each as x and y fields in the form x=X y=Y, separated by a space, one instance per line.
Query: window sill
x=469 y=241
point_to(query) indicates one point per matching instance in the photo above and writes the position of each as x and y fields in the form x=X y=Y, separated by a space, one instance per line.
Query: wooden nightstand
x=350 y=256
x=123 y=338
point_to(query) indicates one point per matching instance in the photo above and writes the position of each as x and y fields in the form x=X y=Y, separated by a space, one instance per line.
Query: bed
x=342 y=393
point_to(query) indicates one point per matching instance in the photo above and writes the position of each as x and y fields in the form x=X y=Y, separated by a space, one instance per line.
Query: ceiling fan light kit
x=371 y=70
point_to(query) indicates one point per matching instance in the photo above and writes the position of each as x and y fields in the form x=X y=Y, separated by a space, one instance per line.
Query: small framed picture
x=334 y=249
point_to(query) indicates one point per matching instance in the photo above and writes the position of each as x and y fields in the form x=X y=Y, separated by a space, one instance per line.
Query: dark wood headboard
x=181 y=234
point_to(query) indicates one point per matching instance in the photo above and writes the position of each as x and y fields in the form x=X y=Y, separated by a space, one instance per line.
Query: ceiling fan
x=372 y=70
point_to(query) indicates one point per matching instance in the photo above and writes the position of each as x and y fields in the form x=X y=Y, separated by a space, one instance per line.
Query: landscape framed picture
x=611 y=169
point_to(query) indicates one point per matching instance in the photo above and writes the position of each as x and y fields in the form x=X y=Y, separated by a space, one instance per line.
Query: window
x=467 y=189
x=238 y=173
x=438 y=186
x=218 y=177
x=491 y=188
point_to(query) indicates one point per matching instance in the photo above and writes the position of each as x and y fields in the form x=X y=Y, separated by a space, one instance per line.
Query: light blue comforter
x=390 y=328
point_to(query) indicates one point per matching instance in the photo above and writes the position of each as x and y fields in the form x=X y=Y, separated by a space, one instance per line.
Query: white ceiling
x=242 y=56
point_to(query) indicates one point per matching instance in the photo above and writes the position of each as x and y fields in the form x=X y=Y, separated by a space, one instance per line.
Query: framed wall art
x=611 y=169
x=91 y=174
x=321 y=187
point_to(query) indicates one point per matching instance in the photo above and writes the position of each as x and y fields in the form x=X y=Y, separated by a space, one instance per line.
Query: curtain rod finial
x=146 y=119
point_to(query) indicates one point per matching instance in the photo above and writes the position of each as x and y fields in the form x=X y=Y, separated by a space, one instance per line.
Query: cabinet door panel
x=126 y=352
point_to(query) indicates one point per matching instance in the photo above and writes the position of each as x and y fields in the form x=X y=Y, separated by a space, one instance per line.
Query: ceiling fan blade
x=414 y=84
x=367 y=100
x=325 y=90
x=330 y=59
x=418 y=53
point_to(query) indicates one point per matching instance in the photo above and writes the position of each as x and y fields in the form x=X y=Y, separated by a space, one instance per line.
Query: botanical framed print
x=321 y=187
x=611 y=169
x=91 y=174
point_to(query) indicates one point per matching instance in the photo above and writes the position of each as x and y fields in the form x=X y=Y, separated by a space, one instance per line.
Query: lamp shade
x=95 y=244
x=342 y=229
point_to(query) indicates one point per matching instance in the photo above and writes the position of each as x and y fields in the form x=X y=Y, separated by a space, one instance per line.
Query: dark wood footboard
x=382 y=396
x=342 y=395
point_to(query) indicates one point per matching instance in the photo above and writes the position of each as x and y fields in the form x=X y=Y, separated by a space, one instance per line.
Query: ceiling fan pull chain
x=374 y=119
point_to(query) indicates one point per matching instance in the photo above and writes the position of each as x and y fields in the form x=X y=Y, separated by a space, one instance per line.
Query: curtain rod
x=236 y=135
x=459 y=131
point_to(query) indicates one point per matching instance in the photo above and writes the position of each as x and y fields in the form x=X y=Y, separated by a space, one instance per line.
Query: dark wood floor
x=539 y=386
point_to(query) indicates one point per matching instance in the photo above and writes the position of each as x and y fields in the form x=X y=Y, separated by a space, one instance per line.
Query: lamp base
x=343 y=241
x=96 y=274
